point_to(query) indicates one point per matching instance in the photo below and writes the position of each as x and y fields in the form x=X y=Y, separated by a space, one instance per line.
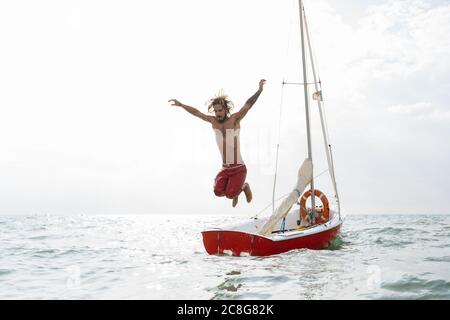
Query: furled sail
x=304 y=177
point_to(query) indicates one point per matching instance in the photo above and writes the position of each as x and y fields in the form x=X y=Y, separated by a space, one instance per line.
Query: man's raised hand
x=175 y=102
x=262 y=82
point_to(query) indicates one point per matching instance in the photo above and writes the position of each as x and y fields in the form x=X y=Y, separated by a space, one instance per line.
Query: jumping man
x=230 y=181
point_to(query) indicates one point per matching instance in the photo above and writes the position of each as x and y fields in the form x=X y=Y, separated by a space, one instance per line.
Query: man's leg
x=235 y=184
x=235 y=201
x=220 y=183
x=248 y=192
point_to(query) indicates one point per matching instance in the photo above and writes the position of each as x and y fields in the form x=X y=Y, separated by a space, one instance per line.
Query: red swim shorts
x=230 y=180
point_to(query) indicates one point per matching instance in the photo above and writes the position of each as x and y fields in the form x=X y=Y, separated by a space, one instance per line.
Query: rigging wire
x=280 y=115
x=314 y=57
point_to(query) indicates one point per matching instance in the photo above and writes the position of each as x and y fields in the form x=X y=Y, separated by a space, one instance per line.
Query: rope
x=278 y=148
x=321 y=173
x=283 y=225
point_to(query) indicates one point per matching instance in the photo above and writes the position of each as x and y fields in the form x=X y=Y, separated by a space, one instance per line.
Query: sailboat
x=289 y=227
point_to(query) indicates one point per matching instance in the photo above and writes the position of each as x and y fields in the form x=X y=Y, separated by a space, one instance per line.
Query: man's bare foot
x=235 y=201
x=248 y=192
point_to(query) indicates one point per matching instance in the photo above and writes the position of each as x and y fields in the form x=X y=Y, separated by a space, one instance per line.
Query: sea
x=161 y=257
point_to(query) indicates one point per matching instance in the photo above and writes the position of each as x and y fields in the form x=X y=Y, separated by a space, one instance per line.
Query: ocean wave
x=229 y=286
x=44 y=253
x=438 y=259
x=418 y=288
x=444 y=245
x=39 y=237
x=5 y=271
x=397 y=231
x=389 y=243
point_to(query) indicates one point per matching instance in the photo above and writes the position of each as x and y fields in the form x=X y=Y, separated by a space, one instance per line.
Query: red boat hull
x=237 y=242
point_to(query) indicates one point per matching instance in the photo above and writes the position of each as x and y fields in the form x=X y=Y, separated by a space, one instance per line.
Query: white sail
x=304 y=178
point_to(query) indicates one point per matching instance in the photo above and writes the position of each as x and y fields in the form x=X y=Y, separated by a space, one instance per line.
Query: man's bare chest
x=227 y=126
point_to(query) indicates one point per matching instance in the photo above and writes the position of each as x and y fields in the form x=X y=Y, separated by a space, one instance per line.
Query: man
x=230 y=181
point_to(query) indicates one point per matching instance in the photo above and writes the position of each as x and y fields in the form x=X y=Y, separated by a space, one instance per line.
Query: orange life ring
x=325 y=212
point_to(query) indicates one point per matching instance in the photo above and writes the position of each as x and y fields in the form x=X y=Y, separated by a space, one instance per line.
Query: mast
x=305 y=89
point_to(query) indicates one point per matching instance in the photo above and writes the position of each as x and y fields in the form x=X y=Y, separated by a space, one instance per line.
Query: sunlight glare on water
x=162 y=257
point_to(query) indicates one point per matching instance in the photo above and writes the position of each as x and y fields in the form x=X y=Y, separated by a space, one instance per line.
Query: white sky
x=85 y=126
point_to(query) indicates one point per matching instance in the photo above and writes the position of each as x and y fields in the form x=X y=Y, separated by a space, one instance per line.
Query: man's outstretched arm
x=251 y=101
x=191 y=110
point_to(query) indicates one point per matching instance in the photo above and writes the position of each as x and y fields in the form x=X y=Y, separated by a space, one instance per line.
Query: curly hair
x=222 y=99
